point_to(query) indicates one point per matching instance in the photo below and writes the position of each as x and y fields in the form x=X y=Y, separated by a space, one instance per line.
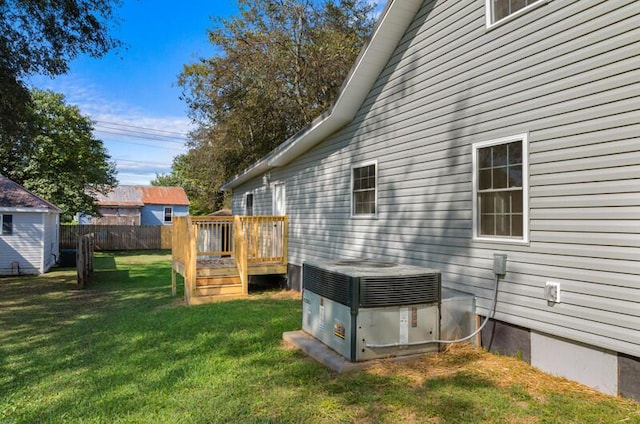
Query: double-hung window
x=7 y=225
x=498 y=10
x=500 y=189
x=168 y=214
x=364 y=190
x=249 y=204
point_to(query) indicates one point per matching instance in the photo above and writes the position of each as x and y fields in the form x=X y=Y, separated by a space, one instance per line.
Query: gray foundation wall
x=609 y=372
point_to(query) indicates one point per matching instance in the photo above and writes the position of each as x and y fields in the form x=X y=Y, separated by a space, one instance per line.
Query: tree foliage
x=281 y=64
x=197 y=191
x=56 y=156
x=41 y=37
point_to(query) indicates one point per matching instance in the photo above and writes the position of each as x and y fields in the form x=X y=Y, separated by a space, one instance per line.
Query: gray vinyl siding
x=567 y=74
x=24 y=245
x=262 y=198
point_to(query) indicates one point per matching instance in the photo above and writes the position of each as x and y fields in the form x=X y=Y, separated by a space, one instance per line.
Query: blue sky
x=132 y=93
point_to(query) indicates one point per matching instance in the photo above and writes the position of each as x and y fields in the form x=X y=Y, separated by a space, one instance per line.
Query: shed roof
x=392 y=25
x=133 y=196
x=164 y=196
x=13 y=195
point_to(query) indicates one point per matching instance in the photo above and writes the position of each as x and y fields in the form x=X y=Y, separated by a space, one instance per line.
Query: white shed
x=29 y=231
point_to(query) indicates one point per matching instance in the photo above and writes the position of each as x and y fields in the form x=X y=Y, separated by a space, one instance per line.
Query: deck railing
x=247 y=240
x=266 y=237
x=214 y=235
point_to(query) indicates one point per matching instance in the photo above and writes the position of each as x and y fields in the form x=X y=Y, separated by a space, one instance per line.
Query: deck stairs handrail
x=245 y=241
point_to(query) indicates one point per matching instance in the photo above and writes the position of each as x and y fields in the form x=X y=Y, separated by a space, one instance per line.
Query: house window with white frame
x=249 y=204
x=500 y=188
x=364 y=189
x=498 y=10
x=7 y=225
x=168 y=214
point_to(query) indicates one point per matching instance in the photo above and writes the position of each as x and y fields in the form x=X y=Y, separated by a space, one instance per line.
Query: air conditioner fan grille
x=327 y=284
x=402 y=290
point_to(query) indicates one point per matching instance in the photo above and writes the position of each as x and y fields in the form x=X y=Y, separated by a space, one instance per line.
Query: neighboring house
x=139 y=205
x=29 y=235
x=474 y=127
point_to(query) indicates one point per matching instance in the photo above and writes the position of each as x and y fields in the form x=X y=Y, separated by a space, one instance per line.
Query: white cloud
x=141 y=143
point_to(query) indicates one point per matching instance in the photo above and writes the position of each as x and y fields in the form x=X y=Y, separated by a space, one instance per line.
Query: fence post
x=84 y=259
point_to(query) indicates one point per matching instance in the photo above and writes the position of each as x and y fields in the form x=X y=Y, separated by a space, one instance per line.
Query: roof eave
x=25 y=209
x=391 y=26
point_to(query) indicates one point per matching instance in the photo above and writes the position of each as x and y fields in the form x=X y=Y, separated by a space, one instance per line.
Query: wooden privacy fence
x=118 y=237
x=84 y=259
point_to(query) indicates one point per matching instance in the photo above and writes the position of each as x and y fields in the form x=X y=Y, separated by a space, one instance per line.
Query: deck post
x=191 y=263
x=285 y=241
x=240 y=253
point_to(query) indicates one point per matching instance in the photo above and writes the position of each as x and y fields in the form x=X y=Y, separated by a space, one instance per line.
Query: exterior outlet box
x=552 y=292
x=499 y=263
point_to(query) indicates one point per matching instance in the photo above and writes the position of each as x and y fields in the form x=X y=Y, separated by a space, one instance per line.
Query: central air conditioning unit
x=366 y=309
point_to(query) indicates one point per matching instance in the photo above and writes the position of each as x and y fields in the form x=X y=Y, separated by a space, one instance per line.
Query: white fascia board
x=28 y=210
x=255 y=170
x=393 y=23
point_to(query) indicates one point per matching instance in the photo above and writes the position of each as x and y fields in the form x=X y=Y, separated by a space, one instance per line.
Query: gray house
x=29 y=234
x=474 y=127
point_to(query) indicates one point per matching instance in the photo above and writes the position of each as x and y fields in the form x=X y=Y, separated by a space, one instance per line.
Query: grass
x=124 y=350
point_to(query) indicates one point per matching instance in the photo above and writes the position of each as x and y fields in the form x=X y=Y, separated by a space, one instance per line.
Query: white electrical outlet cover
x=552 y=292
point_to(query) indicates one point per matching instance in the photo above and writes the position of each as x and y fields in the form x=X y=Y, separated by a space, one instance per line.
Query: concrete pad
x=331 y=359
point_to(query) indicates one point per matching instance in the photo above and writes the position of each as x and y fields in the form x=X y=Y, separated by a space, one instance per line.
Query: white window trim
x=525 y=189
x=363 y=216
x=253 y=203
x=527 y=9
x=164 y=214
x=2 y=225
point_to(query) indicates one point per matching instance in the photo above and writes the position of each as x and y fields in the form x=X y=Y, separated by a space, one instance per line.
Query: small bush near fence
x=118 y=237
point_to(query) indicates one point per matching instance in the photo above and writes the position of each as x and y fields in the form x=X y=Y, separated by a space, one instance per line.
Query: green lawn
x=124 y=350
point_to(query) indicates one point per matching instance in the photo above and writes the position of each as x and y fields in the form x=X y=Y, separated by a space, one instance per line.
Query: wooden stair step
x=219 y=290
x=216 y=272
x=218 y=280
x=202 y=300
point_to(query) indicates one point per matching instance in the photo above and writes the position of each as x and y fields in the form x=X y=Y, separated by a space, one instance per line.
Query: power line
x=147 y=145
x=118 y=124
x=144 y=162
x=142 y=135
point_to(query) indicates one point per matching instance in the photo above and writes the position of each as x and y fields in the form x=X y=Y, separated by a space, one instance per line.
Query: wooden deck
x=216 y=255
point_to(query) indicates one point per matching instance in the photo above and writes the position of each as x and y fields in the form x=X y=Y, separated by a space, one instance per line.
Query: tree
x=281 y=64
x=57 y=157
x=41 y=37
x=181 y=176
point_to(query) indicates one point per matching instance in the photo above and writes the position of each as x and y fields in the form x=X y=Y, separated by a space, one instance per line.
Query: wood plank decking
x=216 y=255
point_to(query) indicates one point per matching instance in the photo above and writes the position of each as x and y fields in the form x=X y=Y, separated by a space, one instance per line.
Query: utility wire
x=142 y=161
x=154 y=146
x=146 y=136
x=117 y=124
